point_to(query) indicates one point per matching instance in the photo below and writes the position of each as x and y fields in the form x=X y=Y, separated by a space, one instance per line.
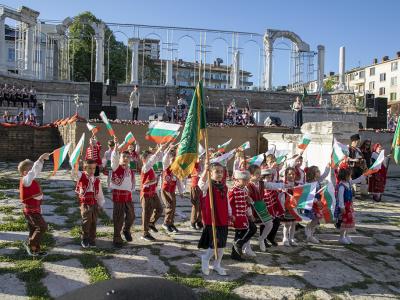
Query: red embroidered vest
x=238 y=200
x=149 y=176
x=82 y=186
x=169 y=181
x=28 y=194
x=220 y=207
x=118 y=175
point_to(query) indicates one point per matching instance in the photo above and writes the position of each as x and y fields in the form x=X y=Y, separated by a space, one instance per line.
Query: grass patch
x=94 y=267
x=75 y=233
x=32 y=272
x=59 y=196
x=3 y=196
x=105 y=219
x=18 y=224
x=73 y=219
x=7 y=183
x=7 y=210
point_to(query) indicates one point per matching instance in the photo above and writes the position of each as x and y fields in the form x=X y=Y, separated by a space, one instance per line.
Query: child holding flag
x=107 y=163
x=377 y=181
x=31 y=197
x=93 y=153
x=289 y=220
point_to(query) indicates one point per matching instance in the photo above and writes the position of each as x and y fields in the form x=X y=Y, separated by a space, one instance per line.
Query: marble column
x=134 y=45
x=321 y=67
x=342 y=68
x=268 y=67
x=168 y=73
x=99 y=37
x=3 y=48
x=235 y=77
x=28 y=70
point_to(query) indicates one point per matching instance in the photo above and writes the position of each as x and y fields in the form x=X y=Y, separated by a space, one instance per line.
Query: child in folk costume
x=31 y=197
x=168 y=189
x=297 y=165
x=107 y=163
x=289 y=220
x=222 y=213
x=195 y=217
x=255 y=188
x=377 y=181
x=122 y=185
x=313 y=175
x=93 y=153
x=242 y=215
x=344 y=212
x=91 y=200
x=134 y=150
x=151 y=204
x=239 y=161
x=270 y=160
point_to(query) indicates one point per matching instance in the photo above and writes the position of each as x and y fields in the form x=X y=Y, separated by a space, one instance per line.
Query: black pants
x=275 y=226
x=97 y=172
x=298 y=118
x=135 y=113
x=242 y=236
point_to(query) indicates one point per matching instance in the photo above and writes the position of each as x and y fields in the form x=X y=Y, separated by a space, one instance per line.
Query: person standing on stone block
x=298 y=112
x=122 y=185
x=31 y=197
x=91 y=199
x=134 y=102
x=93 y=153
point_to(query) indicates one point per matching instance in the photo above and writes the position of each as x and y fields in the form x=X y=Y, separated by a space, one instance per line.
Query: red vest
x=84 y=196
x=220 y=207
x=195 y=174
x=255 y=192
x=118 y=175
x=93 y=152
x=238 y=200
x=169 y=181
x=149 y=176
x=28 y=194
x=274 y=206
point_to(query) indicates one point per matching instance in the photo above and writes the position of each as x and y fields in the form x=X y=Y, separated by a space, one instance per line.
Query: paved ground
x=370 y=269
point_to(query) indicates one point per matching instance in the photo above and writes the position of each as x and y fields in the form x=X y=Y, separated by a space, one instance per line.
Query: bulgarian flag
x=303 y=196
x=59 y=156
x=328 y=201
x=129 y=139
x=221 y=148
x=92 y=128
x=108 y=124
x=376 y=165
x=396 y=143
x=245 y=146
x=74 y=159
x=187 y=154
x=223 y=157
x=161 y=132
x=339 y=152
x=256 y=160
x=281 y=156
x=304 y=142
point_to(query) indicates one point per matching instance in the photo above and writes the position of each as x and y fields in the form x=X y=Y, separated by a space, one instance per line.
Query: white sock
x=217 y=262
x=292 y=230
x=208 y=254
x=285 y=231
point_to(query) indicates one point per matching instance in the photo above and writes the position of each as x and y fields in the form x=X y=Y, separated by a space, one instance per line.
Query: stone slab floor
x=369 y=269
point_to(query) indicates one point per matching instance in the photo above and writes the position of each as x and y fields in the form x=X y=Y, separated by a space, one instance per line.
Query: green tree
x=329 y=84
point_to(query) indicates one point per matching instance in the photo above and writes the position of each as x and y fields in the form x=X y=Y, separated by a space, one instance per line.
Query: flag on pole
x=244 y=146
x=108 y=124
x=161 y=132
x=223 y=157
x=304 y=142
x=222 y=148
x=303 y=196
x=256 y=160
x=74 y=159
x=396 y=143
x=376 y=166
x=188 y=146
x=328 y=201
x=59 y=156
x=339 y=152
x=92 y=128
x=129 y=139
x=280 y=156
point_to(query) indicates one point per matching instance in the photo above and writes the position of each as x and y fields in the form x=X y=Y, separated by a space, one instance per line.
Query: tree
x=329 y=84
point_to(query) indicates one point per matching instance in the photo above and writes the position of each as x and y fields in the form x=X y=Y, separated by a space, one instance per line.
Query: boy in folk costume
x=168 y=188
x=31 y=197
x=195 y=217
x=122 y=185
x=91 y=199
x=93 y=153
x=377 y=181
x=151 y=204
x=107 y=163
x=222 y=213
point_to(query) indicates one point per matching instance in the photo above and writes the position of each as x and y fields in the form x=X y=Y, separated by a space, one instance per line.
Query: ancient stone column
x=235 y=77
x=134 y=45
x=268 y=66
x=321 y=67
x=342 y=66
x=3 y=49
x=99 y=37
x=28 y=50
x=168 y=73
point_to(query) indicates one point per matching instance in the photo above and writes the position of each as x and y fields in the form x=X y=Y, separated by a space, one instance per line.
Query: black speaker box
x=369 y=101
x=96 y=93
x=111 y=112
x=377 y=122
x=94 y=111
x=381 y=106
x=112 y=88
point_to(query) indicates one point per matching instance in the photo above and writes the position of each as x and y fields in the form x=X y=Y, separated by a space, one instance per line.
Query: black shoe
x=127 y=236
x=266 y=244
x=153 y=228
x=117 y=245
x=168 y=228
x=235 y=255
x=41 y=253
x=238 y=248
x=273 y=243
x=85 y=244
x=92 y=244
x=148 y=237
x=174 y=229
x=193 y=226
x=199 y=225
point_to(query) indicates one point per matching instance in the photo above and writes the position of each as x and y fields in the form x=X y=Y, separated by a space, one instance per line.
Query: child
x=289 y=220
x=377 y=181
x=107 y=163
x=93 y=153
x=241 y=214
x=134 y=150
x=300 y=174
x=313 y=175
x=31 y=197
x=239 y=161
x=222 y=214
x=195 y=217
x=151 y=205
x=122 y=185
x=168 y=188
x=255 y=189
x=344 y=212
x=270 y=160
x=91 y=199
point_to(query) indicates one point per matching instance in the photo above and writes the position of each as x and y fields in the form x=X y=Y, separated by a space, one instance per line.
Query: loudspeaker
x=94 y=111
x=369 y=100
x=377 y=122
x=112 y=88
x=96 y=93
x=381 y=106
x=110 y=111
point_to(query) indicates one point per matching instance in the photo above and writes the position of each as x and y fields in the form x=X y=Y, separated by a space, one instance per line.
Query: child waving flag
x=74 y=159
x=304 y=142
x=92 y=128
x=161 y=132
x=59 y=156
x=108 y=124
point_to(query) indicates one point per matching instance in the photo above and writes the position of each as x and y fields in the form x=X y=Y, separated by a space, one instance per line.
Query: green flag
x=304 y=94
x=188 y=146
x=396 y=143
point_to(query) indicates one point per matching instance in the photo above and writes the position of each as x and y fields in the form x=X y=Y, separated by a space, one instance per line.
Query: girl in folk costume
x=168 y=188
x=377 y=181
x=106 y=162
x=344 y=212
x=134 y=150
x=255 y=188
x=242 y=216
x=222 y=213
x=315 y=214
x=195 y=217
x=91 y=200
x=122 y=185
x=270 y=160
x=151 y=204
x=93 y=153
x=31 y=197
x=300 y=174
x=289 y=220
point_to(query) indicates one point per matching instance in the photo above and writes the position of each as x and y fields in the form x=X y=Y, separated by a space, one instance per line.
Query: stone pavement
x=368 y=269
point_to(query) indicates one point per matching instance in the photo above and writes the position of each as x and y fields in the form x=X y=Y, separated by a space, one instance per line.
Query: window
x=382 y=77
x=11 y=54
x=352 y=76
x=361 y=75
x=392 y=96
x=371 y=71
x=381 y=91
x=371 y=85
x=394 y=66
x=393 y=81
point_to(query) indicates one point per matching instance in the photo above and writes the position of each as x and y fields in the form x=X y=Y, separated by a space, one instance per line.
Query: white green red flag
x=74 y=158
x=222 y=148
x=129 y=139
x=256 y=160
x=281 y=155
x=161 y=132
x=377 y=165
x=59 y=156
x=92 y=128
x=108 y=124
x=306 y=139
x=244 y=146
x=303 y=196
x=223 y=157
x=339 y=153
x=328 y=201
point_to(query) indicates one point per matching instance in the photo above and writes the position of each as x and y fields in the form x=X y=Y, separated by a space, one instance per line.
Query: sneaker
x=344 y=241
x=205 y=265
x=236 y=256
x=199 y=225
x=153 y=228
x=117 y=245
x=148 y=237
x=174 y=229
x=263 y=248
x=28 y=249
x=293 y=242
x=349 y=240
x=127 y=236
x=84 y=244
x=238 y=248
x=286 y=243
x=168 y=228
x=221 y=271
x=249 y=252
x=193 y=226
x=312 y=239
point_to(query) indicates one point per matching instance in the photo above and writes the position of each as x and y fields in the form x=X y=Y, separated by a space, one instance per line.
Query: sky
x=368 y=29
